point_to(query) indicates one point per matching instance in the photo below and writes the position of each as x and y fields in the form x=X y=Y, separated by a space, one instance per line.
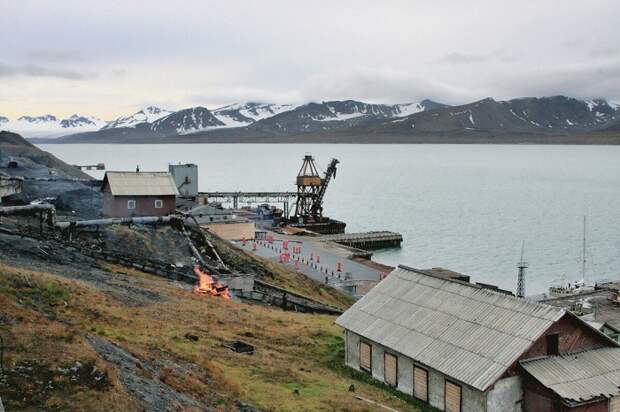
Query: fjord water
x=462 y=207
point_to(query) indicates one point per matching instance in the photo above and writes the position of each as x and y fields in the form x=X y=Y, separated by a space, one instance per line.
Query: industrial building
x=185 y=178
x=10 y=185
x=460 y=346
x=127 y=194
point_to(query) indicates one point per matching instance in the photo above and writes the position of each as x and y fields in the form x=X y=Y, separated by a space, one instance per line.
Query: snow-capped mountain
x=337 y=114
x=557 y=114
x=186 y=121
x=487 y=117
x=238 y=115
x=147 y=115
x=49 y=126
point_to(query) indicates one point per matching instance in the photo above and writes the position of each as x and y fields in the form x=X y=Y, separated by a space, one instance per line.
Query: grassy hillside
x=48 y=324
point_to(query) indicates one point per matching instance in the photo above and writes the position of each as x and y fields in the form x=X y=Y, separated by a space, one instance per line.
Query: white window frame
x=160 y=203
x=131 y=204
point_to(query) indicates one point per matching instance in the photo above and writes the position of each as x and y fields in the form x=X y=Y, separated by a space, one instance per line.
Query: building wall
x=116 y=206
x=507 y=392
x=538 y=398
x=507 y=395
x=185 y=178
x=574 y=335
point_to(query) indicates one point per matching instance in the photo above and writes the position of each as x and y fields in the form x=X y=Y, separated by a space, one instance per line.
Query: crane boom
x=317 y=206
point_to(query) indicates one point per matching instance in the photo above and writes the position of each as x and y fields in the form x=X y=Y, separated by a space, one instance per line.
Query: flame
x=207 y=286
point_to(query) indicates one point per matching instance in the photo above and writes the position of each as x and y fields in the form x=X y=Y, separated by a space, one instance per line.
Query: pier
x=367 y=240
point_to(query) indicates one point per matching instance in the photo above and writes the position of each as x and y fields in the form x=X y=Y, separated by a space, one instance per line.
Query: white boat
x=577 y=287
x=570 y=288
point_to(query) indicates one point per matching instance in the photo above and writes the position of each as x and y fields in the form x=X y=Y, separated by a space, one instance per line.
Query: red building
x=127 y=194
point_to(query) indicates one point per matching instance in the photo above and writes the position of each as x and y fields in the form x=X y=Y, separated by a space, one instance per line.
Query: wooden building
x=127 y=194
x=460 y=346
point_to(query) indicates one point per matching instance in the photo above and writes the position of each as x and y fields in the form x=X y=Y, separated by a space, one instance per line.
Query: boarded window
x=365 y=356
x=420 y=383
x=131 y=204
x=553 y=344
x=390 y=369
x=159 y=204
x=614 y=404
x=453 y=397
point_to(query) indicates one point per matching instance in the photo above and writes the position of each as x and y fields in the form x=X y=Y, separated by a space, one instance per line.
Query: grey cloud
x=55 y=55
x=40 y=71
x=464 y=58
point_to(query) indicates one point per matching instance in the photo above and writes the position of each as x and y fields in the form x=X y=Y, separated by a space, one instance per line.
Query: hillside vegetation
x=51 y=327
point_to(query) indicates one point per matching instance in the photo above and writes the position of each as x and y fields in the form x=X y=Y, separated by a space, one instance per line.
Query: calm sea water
x=462 y=207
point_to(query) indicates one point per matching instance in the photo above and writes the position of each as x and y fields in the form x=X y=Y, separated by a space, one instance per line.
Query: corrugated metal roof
x=464 y=331
x=580 y=376
x=141 y=183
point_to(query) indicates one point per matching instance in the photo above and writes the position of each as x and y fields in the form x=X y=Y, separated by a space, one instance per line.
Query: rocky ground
x=46 y=176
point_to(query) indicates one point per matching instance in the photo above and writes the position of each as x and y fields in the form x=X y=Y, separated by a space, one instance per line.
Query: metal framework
x=522 y=265
x=311 y=190
x=255 y=197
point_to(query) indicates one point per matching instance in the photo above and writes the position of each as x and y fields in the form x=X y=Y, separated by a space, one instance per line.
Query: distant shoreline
x=583 y=140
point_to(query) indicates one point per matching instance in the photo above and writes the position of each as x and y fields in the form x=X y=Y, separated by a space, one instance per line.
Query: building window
x=420 y=383
x=452 y=397
x=159 y=204
x=365 y=357
x=131 y=204
x=553 y=344
x=390 y=369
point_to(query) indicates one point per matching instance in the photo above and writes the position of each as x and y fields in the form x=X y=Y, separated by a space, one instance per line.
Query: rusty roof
x=579 y=377
x=467 y=332
x=140 y=184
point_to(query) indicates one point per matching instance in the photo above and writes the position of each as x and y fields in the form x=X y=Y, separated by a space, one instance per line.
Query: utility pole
x=522 y=265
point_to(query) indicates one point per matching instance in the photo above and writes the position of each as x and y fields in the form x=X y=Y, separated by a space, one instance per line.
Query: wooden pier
x=367 y=240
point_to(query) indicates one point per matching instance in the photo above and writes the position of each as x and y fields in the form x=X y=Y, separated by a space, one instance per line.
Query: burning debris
x=207 y=286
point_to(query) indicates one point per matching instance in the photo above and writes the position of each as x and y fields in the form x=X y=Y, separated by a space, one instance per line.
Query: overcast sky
x=108 y=58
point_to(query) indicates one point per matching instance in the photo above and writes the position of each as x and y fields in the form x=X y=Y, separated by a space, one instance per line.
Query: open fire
x=207 y=286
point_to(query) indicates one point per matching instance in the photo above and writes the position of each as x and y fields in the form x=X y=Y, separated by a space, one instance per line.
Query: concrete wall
x=506 y=395
x=185 y=178
x=473 y=400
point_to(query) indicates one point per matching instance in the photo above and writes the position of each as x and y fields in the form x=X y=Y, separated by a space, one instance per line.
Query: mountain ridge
x=553 y=115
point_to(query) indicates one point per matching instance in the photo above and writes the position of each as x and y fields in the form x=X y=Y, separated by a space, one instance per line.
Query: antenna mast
x=583 y=262
x=522 y=265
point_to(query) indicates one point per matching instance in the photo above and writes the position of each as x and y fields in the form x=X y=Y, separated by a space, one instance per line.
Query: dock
x=367 y=240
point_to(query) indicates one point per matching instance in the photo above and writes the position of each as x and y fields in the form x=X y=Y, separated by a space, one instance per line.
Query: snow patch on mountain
x=49 y=126
x=243 y=114
x=149 y=114
x=186 y=121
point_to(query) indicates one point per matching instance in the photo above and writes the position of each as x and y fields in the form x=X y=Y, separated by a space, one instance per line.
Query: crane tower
x=311 y=189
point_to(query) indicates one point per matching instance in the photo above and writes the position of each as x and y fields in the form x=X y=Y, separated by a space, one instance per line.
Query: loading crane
x=311 y=190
